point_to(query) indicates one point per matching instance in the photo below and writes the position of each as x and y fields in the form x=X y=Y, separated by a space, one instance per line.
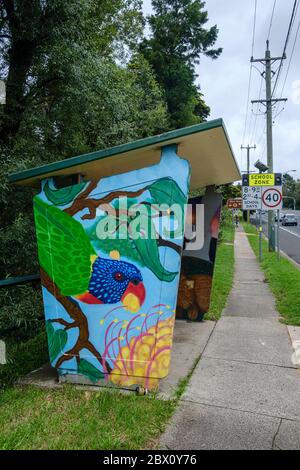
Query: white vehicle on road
x=289 y=219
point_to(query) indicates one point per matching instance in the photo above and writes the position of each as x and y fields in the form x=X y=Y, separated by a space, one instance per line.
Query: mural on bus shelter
x=197 y=266
x=110 y=300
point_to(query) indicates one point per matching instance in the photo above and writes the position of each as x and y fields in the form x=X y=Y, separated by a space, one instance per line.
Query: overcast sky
x=224 y=82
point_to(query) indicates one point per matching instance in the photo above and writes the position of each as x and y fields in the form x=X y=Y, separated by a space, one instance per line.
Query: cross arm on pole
x=269 y=101
x=272 y=59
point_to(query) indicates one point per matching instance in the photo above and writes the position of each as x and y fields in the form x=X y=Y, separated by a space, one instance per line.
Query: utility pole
x=268 y=74
x=248 y=148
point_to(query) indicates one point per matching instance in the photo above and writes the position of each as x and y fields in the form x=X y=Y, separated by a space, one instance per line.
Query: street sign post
x=260 y=237
x=263 y=191
x=278 y=244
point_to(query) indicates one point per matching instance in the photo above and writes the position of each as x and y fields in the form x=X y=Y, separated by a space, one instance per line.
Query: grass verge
x=73 y=419
x=283 y=278
x=68 y=418
x=223 y=273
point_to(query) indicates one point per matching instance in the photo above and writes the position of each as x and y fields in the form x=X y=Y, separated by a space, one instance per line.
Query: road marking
x=283 y=228
x=289 y=231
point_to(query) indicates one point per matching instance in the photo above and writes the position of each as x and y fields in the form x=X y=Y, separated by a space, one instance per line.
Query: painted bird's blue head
x=114 y=281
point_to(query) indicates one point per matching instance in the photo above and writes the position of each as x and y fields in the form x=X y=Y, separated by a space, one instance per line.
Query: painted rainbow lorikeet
x=68 y=257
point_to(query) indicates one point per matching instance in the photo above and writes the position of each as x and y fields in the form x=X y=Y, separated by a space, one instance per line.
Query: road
x=289 y=237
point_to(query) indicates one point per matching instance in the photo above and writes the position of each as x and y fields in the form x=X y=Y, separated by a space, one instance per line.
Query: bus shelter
x=114 y=253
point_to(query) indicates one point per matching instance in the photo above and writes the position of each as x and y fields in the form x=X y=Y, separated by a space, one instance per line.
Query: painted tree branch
x=162 y=242
x=82 y=202
x=80 y=321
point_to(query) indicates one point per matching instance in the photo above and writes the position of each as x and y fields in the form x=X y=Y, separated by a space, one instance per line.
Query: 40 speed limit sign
x=271 y=198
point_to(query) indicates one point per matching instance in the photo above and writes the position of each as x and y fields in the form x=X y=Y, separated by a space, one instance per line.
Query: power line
x=248 y=101
x=261 y=135
x=254 y=27
x=290 y=61
x=253 y=134
x=272 y=16
x=277 y=114
x=250 y=71
x=288 y=68
x=295 y=6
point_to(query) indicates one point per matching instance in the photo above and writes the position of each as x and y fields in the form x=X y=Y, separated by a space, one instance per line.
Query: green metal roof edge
x=110 y=152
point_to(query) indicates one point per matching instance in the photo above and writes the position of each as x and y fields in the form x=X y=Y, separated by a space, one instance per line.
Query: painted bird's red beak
x=134 y=296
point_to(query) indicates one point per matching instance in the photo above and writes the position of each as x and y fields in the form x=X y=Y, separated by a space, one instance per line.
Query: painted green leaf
x=63 y=196
x=90 y=371
x=57 y=340
x=125 y=246
x=148 y=249
x=64 y=248
x=167 y=191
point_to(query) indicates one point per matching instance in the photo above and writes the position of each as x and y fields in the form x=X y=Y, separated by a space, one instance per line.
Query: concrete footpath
x=245 y=390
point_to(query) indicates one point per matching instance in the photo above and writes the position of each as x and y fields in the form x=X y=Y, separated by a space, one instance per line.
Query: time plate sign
x=251 y=198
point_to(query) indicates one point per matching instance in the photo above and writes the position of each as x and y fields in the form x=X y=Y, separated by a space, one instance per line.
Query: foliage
x=297 y=194
x=23 y=357
x=69 y=90
x=178 y=38
x=17 y=240
x=108 y=104
x=197 y=192
x=21 y=312
x=291 y=189
x=283 y=278
x=226 y=227
x=230 y=191
x=47 y=46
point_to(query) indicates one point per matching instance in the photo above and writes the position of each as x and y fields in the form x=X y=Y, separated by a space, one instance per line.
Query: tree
x=42 y=40
x=297 y=194
x=288 y=190
x=178 y=38
x=71 y=97
x=70 y=90
x=230 y=191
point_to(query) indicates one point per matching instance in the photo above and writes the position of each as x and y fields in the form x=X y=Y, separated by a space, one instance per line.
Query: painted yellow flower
x=147 y=358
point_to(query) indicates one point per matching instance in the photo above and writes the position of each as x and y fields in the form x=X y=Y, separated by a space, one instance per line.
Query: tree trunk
x=22 y=22
x=21 y=54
